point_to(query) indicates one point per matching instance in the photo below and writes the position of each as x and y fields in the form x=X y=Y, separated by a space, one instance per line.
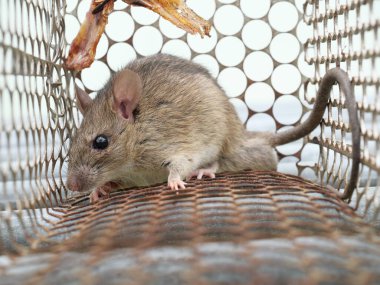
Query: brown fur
x=183 y=122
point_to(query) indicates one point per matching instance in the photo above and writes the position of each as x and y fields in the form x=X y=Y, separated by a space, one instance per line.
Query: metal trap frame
x=262 y=227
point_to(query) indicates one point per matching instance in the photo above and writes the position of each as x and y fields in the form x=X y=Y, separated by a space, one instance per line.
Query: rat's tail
x=323 y=95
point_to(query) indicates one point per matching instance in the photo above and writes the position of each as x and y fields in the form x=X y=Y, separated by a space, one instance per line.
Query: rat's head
x=97 y=151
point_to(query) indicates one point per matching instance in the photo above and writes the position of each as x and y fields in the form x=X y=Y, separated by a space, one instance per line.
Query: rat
x=164 y=118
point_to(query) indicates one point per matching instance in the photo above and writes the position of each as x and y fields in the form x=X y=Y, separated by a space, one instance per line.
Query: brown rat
x=165 y=118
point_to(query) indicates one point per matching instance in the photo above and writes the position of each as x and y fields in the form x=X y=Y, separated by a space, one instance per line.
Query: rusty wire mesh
x=247 y=223
x=241 y=228
x=303 y=261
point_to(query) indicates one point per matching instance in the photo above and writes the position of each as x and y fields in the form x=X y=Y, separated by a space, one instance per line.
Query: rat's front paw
x=99 y=193
x=176 y=183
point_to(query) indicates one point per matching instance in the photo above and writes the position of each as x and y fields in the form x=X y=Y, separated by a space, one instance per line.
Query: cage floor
x=239 y=228
x=303 y=260
x=233 y=207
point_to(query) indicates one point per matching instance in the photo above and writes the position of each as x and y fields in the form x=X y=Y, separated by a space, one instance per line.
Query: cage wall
x=346 y=34
x=36 y=115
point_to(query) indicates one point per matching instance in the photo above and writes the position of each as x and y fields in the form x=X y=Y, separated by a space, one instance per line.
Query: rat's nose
x=73 y=183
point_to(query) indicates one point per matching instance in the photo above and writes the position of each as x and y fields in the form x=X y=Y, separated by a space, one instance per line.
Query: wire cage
x=291 y=226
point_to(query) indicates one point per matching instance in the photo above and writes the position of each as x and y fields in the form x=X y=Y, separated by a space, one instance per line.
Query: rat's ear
x=83 y=99
x=126 y=93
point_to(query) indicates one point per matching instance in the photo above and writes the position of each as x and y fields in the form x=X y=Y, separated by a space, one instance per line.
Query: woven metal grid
x=242 y=228
x=235 y=207
x=310 y=260
x=36 y=115
x=346 y=34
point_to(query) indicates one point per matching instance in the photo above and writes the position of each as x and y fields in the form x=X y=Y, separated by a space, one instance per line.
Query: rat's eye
x=100 y=142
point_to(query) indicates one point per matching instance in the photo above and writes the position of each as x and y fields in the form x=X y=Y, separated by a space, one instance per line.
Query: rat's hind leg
x=207 y=172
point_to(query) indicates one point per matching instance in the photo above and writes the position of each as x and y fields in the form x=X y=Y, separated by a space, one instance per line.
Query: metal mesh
x=242 y=227
x=239 y=228
x=235 y=207
x=310 y=260
x=346 y=34
x=36 y=115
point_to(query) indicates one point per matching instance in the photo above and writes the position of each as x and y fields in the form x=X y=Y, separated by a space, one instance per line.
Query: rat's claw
x=176 y=184
x=94 y=197
x=100 y=193
x=199 y=173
